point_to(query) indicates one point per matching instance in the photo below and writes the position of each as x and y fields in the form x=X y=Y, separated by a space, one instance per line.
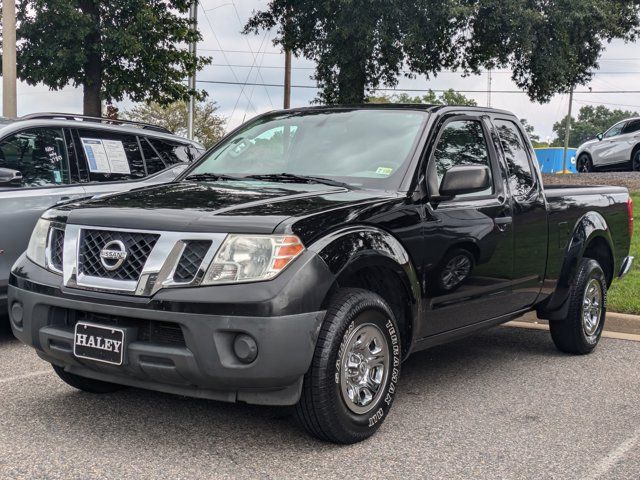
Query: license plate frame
x=102 y=355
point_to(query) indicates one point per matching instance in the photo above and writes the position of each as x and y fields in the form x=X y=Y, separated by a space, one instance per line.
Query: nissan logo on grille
x=113 y=255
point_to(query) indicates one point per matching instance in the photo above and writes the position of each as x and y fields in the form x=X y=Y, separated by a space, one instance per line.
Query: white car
x=618 y=147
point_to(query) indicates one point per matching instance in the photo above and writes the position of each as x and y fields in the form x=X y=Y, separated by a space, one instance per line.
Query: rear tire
x=86 y=384
x=351 y=383
x=580 y=331
x=635 y=161
x=584 y=164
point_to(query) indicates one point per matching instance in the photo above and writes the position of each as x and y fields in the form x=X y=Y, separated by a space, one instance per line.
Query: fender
x=590 y=226
x=355 y=247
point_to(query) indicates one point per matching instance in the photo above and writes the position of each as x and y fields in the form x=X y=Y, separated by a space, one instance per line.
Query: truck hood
x=225 y=207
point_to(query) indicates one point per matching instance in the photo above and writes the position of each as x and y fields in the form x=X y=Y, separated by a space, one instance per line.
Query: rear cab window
x=521 y=173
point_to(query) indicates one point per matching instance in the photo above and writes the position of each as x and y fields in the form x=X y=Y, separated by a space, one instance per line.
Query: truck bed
x=568 y=204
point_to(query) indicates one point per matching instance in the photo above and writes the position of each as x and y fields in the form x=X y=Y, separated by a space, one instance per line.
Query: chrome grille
x=190 y=261
x=56 y=246
x=138 y=247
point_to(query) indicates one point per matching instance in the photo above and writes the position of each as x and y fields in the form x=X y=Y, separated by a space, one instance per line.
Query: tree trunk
x=91 y=103
x=92 y=84
x=352 y=82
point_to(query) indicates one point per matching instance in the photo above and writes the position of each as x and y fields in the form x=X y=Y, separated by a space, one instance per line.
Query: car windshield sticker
x=106 y=156
x=384 y=171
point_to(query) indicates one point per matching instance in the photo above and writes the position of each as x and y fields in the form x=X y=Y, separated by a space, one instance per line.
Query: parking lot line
x=39 y=373
x=613 y=457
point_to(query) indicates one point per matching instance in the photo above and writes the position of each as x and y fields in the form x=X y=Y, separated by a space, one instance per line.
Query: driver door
x=471 y=233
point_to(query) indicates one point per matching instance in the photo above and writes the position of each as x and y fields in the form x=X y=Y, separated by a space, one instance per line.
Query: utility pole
x=489 y=81
x=567 y=133
x=9 y=94
x=193 y=16
x=287 y=78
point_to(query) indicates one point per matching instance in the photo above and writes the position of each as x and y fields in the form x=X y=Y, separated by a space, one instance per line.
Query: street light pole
x=193 y=16
x=567 y=133
x=287 y=79
x=9 y=94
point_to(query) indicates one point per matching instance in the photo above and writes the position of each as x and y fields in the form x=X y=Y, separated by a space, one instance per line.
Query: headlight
x=38 y=243
x=251 y=258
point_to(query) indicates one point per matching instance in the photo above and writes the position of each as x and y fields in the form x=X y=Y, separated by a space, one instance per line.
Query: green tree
x=448 y=97
x=591 y=121
x=535 y=138
x=113 y=49
x=208 y=126
x=359 y=45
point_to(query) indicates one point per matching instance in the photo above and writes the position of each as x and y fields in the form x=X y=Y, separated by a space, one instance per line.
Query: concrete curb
x=618 y=323
x=544 y=326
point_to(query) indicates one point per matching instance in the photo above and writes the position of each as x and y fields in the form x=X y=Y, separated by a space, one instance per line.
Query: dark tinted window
x=111 y=156
x=39 y=154
x=172 y=152
x=632 y=126
x=151 y=157
x=520 y=173
x=462 y=143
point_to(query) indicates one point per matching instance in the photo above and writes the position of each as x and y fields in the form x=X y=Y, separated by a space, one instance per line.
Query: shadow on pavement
x=5 y=331
x=138 y=417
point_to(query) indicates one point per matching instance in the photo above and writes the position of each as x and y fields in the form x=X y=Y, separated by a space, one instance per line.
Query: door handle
x=503 y=223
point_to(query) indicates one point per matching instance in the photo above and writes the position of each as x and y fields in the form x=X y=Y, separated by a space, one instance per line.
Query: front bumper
x=196 y=358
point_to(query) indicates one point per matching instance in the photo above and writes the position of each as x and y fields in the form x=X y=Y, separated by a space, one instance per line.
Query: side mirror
x=10 y=178
x=600 y=136
x=461 y=180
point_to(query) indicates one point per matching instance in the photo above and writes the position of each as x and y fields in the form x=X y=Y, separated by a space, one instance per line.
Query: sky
x=254 y=59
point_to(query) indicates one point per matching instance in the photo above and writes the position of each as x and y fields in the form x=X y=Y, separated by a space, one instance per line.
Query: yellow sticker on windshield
x=384 y=171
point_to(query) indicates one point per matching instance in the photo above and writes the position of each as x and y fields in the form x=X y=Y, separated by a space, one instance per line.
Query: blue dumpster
x=550 y=159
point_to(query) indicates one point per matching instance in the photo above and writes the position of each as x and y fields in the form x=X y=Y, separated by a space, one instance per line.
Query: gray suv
x=46 y=159
x=617 y=148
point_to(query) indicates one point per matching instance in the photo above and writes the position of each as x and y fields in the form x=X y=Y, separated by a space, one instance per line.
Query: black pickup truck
x=311 y=251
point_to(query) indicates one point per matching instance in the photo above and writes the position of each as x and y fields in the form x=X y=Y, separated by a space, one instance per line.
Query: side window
x=632 y=127
x=171 y=152
x=39 y=154
x=461 y=143
x=521 y=177
x=615 y=130
x=152 y=157
x=111 y=156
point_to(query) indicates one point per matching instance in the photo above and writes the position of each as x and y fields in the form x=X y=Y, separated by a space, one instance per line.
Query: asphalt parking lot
x=502 y=404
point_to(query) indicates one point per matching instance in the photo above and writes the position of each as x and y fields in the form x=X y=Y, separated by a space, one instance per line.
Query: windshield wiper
x=293 y=178
x=203 y=177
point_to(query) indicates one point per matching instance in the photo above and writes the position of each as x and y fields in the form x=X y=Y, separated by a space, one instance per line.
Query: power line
x=590 y=102
x=213 y=32
x=280 y=85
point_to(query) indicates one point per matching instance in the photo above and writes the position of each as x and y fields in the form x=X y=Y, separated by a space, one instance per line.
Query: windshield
x=362 y=148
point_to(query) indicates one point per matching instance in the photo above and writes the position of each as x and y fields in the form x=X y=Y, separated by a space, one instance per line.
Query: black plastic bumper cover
x=205 y=365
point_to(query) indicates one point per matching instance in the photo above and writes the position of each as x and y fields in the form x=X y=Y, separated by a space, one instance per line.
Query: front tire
x=86 y=384
x=584 y=164
x=580 y=332
x=351 y=383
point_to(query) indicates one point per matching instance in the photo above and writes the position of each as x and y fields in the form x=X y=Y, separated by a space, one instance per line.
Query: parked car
x=305 y=257
x=617 y=148
x=48 y=158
